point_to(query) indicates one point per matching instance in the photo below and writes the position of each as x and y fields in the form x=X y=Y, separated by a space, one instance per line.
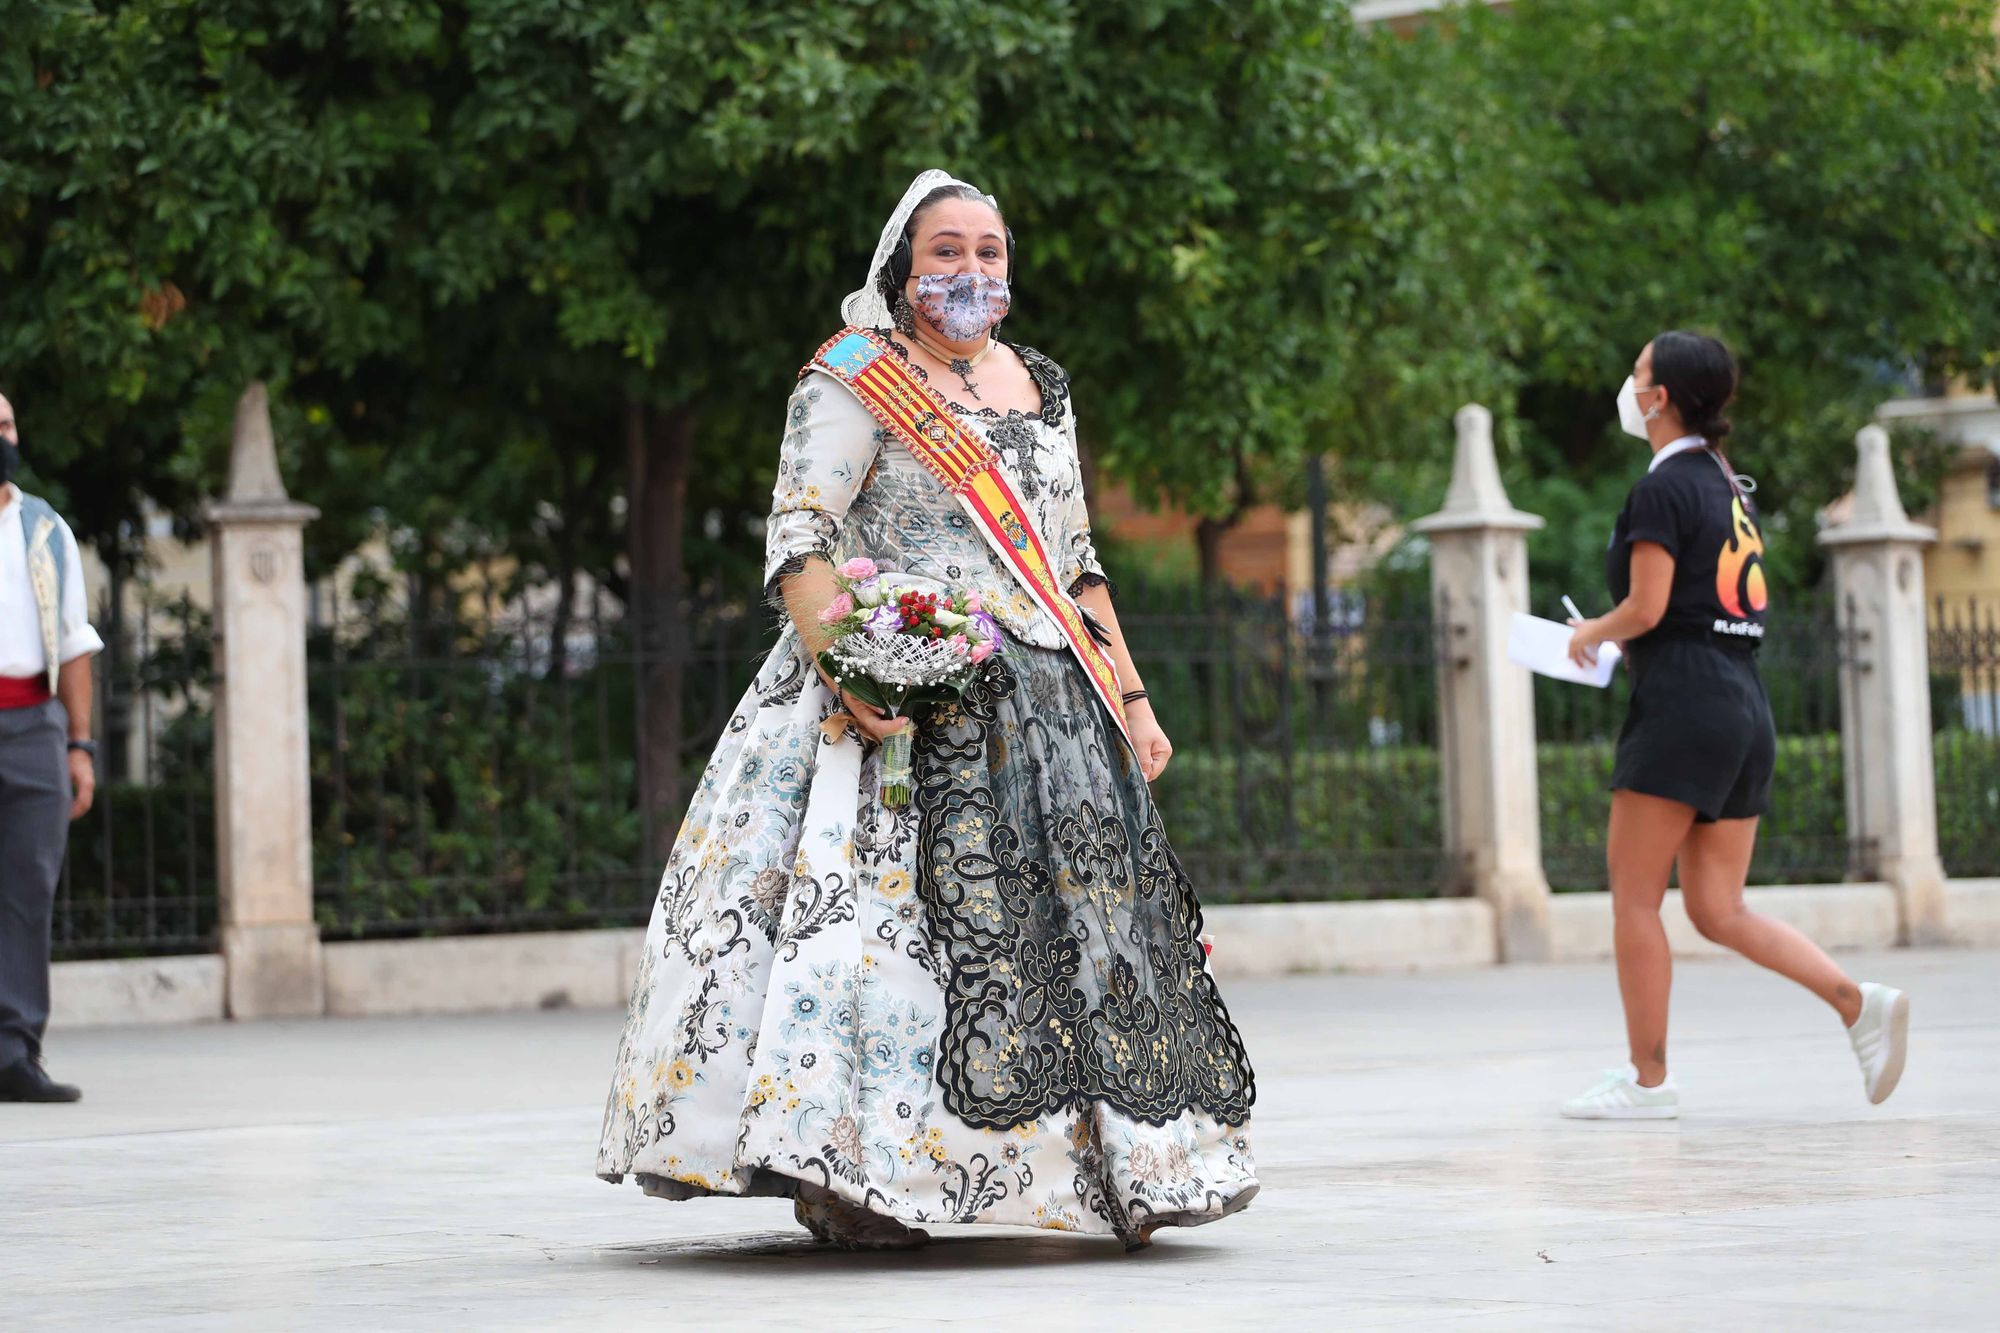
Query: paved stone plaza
x=435 y=1174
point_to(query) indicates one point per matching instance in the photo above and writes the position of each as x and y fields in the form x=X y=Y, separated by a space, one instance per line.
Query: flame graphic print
x=1739 y=571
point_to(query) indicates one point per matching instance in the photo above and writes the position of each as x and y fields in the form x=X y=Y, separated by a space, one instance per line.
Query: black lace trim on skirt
x=1069 y=933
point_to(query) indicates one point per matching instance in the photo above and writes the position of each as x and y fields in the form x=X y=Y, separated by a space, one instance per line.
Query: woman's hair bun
x=1699 y=376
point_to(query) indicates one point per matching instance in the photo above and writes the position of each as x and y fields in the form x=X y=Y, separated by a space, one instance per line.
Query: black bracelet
x=1134 y=696
x=87 y=747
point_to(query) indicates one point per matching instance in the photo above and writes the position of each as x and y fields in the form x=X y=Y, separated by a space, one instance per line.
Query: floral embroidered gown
x=988 y=1006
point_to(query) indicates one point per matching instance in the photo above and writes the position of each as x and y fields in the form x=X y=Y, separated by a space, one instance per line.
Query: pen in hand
x=1586 y=658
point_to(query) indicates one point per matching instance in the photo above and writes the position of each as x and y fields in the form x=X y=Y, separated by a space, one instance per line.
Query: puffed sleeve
x=830 y=444
x=1081 y=567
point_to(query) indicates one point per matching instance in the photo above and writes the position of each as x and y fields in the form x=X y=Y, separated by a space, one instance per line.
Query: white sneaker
x=1618 y=1096
x=1881 y=1039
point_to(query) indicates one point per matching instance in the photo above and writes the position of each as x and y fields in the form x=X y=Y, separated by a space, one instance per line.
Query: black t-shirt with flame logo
x=1690 y=505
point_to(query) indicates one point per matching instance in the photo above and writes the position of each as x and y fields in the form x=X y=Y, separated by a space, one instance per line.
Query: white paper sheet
x=1542 y=646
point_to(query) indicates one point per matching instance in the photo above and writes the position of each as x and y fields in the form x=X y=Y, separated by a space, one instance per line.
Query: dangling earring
x=904 y=316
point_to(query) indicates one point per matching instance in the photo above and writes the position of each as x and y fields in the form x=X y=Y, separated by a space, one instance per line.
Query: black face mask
x=10 y=461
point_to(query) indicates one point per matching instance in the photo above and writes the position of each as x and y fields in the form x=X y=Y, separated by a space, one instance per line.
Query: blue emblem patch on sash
x=851 y=355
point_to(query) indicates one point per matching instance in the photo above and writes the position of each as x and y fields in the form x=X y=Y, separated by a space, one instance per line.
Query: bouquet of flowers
x=896 y=640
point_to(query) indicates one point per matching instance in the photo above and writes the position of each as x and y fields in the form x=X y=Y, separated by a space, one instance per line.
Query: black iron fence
x=1306 y=762
x=1804 y=837
x=1965 y=713
x=477 y=780
x=512 y=773
x=486 y=778
x=140 y=878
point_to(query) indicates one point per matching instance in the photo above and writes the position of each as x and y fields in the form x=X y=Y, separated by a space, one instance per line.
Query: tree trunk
x=565 y=554
x=1209 y=531
x=1316 y=511
x=659 y=450
x=1208 y=535
x=112 y=696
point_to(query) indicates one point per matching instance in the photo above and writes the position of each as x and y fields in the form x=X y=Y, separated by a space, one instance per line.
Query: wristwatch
x=88 y=747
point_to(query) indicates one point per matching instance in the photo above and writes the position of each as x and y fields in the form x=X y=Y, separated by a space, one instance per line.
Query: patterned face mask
x=961 y=306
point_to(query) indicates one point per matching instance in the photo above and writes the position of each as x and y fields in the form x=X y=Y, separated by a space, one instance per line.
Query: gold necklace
x=960 y=366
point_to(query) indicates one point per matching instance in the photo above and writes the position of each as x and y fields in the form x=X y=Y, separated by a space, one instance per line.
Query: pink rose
x=958 y=644
x=840 y=606
x=972 y=604
x=982 y=651
x=860 y=567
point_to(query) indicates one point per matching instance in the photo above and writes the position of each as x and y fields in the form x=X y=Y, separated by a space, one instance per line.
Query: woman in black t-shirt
x=1695 y=758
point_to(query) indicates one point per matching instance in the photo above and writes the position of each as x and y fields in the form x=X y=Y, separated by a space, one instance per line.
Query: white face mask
x=1630 y=418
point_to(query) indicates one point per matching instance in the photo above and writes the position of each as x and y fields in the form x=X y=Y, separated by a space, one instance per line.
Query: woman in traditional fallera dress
x=990 y=1005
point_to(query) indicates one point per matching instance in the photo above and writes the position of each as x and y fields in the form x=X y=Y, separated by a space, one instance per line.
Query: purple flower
x=884 y=620
x=987 y=626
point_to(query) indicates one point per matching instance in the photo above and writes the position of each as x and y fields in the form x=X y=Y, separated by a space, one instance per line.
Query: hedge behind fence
x=1380 y=808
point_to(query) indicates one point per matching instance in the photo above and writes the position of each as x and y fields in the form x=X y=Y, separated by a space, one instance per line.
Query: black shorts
x=1698 y=729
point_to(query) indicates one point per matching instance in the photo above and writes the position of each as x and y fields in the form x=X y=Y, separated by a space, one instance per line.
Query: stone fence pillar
x=1492 y=804
x=1885 y=703
x=270 y=942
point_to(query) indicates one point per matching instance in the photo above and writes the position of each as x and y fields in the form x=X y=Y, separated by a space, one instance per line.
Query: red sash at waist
x=23 y=691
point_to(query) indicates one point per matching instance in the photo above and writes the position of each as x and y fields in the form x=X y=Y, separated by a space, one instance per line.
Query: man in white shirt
x=48 y=772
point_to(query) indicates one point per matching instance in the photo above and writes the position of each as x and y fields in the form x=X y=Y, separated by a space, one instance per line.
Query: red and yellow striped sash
x=967 y=466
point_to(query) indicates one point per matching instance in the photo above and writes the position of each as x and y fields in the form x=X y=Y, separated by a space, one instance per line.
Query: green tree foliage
x=508 y=264
x=1814 y=182
x=1245 y=244
x=187 y=201
x=466 y=239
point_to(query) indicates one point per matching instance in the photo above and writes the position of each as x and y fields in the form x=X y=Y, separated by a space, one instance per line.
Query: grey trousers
x=34 y=836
